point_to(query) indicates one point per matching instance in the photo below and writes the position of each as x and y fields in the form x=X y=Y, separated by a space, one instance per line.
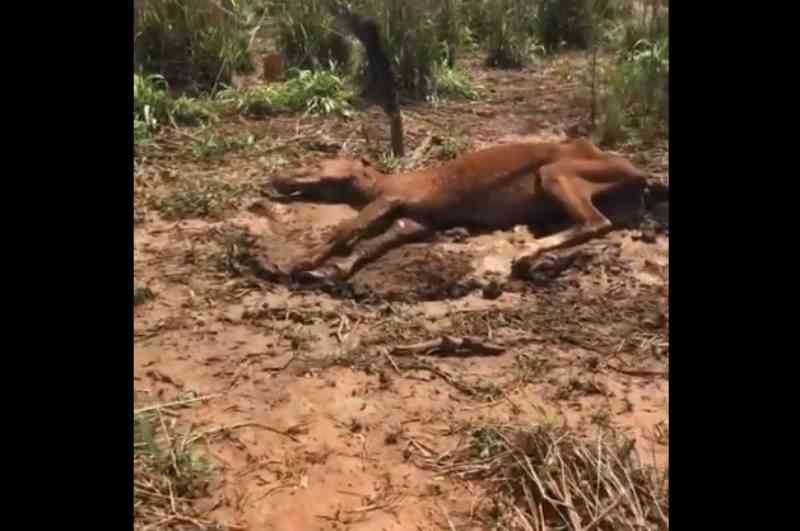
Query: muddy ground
x=312 y=419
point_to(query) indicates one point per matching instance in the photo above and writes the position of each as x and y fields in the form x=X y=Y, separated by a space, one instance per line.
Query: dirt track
x=326 y=423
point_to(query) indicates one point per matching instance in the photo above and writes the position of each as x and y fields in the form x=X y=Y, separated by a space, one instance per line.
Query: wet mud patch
x=417 y=273
x=410 y=274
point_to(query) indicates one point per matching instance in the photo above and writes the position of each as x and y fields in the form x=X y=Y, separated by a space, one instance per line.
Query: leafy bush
x=153 y=107
x=315 y=92
x=509 y=32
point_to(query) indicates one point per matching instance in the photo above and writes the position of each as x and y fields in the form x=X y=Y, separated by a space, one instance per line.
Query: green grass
x=417 y=37
x=453 y=83
x=198 y=199
x=214 y=147
x=311 y=92
x=508 y=33
x=153 y=107
x=546 y=477
x=167 y=474
x=194 y=44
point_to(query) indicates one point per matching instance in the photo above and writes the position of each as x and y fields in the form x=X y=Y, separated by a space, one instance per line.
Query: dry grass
x=167 y=475
x=545 y=477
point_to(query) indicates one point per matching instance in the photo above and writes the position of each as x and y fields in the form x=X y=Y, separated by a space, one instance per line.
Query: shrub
x=564 y=23
x=305 y=38
x=509 y=32
x=639 y=77
x=153 y=107
x=193 y=44
x=315 y=92
x=418 y=37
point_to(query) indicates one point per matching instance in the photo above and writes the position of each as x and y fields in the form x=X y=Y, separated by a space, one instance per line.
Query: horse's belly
x=501 y=208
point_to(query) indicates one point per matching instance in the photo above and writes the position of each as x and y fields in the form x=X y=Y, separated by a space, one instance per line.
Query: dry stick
x=573 y=513
x=450 y=344
x=392 y=362
x=375 y=506
x=142 y=492
x=257 y=29
x=282 y=367
x=637 y=372
x=524 y=521
x=531 y=505
x=173 y=404
x=447 y=516
x=421 y=149
x=341 y=328
x=171 y=453
x=441 y=374
x=243 y=425
x=603 y=513
x=273 y=489
x=238 y=372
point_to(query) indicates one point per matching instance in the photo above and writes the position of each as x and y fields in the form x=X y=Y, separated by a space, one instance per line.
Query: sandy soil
x=320 y=417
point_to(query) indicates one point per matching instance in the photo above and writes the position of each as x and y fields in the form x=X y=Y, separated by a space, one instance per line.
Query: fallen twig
x=392 y=362
x=421 y=149
x=175 y=403
x=637 y=372
x=447 y=517
x=287 y=433
x=424 y=366
x=450 y=345
x=282 y=367
x=376 y=506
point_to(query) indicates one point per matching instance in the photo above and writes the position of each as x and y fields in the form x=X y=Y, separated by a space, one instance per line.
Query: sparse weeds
x=546 y=477
x=314 y=92
x=214 y=147
x=300 y=338
x=454 y=83
x=199 y=199
x=151 y=105
x=167 y=474
x=636 y=99
x=640 y=82
x=601 y=417
x=237 y=245
x=453 y=145
x=154 y=107
x=532 y=367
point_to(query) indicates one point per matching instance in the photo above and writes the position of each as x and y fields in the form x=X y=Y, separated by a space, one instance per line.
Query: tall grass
x=564 y=24
x=313 y=92
x=418 y=36
x=306 y=37
x=508 y=31
x=153 y=107
x=410 y=32
x=193 y=44
x=638 y=80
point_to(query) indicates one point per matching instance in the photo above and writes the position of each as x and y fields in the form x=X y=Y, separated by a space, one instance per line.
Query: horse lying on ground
x=494 y=188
